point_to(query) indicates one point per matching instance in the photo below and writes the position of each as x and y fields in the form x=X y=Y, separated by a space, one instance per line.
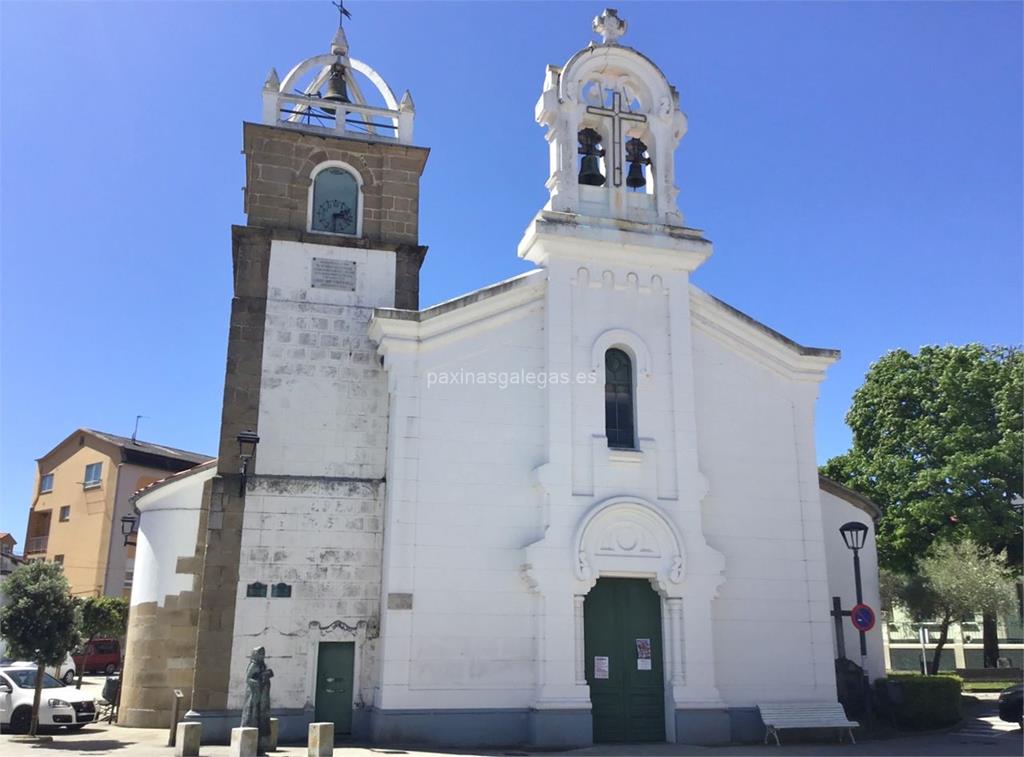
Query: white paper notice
x=600 y=667
x=643 y=664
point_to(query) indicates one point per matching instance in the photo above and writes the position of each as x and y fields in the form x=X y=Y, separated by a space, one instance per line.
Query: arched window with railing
x=619 y=416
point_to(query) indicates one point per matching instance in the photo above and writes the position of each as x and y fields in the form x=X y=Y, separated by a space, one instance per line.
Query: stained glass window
x=618 y=400
x=335 y=202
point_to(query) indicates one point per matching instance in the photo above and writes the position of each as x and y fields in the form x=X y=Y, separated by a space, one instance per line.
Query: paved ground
x=982 y=734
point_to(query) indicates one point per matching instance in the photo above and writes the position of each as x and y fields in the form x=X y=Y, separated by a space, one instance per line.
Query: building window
x=46 y=483
x=93 y=475
x=256 y=590
x=59 y=560
x=280 y=590
x=129 y=575
x=618 y=400
x=335 y=205
x=65 y=513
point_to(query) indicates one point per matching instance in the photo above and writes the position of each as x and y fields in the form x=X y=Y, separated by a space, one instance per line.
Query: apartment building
x=82 y=492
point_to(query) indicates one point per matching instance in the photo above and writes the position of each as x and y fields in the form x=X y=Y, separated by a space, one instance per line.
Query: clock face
x=335 y=202
x=335 y=216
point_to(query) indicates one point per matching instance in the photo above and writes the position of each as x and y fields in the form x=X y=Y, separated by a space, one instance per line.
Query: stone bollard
x=243 y=742
x=321 y=740
x=187 y=738
x=275 y=729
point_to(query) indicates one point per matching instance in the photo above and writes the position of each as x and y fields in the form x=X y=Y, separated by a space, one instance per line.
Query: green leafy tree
x=39 y=621
x=937 y=440
x=102 y=617
x=952 y=582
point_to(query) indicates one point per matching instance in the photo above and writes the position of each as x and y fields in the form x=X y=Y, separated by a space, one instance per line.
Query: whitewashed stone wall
x=772 y=632
x=313 y=515
x=167 y=533
x=462 y=503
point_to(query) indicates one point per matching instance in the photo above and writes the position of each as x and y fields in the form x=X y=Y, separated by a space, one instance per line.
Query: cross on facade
x=617 y=115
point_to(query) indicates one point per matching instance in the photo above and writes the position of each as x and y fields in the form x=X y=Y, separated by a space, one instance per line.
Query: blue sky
x=857 y=165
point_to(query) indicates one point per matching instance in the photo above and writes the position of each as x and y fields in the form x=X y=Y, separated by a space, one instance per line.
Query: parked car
x=1010 y=704
x=99 y=656
x=66 y=671
x=60 y=706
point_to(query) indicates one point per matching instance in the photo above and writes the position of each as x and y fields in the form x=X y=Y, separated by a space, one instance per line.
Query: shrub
x=927 y=702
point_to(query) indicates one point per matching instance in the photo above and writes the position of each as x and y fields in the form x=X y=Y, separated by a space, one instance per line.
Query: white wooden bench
x=787 y=715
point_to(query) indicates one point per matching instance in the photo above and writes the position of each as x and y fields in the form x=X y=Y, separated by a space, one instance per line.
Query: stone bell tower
x=289 y=556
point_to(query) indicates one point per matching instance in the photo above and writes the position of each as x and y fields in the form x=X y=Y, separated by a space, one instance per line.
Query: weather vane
x=342 y=12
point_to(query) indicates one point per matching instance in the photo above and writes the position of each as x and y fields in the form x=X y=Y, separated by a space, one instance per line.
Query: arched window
x=618 y=400
x=335 y=204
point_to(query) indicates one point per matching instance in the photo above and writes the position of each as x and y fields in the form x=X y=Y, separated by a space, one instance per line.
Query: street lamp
x=855 y=534
x=247 y=441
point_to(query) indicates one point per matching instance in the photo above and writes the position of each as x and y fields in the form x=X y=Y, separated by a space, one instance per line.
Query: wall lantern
x=130 y=529
x=247 y=441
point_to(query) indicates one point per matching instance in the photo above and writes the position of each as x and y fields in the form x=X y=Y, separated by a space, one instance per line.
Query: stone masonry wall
x=279 y=164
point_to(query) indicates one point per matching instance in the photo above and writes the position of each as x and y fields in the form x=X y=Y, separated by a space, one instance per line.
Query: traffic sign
x=862 y=617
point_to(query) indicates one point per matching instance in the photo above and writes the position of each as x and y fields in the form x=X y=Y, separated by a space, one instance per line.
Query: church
x=579 y=505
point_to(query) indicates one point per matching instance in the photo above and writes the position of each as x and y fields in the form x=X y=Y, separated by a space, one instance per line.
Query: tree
x=102 y=616
x=952 y=581
x=39 y=621
x=937 y=441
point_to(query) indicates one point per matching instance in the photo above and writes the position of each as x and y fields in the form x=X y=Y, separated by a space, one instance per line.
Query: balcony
x=36 y=544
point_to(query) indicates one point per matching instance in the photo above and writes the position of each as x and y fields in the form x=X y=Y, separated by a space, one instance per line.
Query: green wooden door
x=622 y=643
x=334 y=684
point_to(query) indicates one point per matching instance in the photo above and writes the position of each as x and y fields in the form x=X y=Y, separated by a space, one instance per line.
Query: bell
x=590 y=171
x=336 y=87
x=635 y=178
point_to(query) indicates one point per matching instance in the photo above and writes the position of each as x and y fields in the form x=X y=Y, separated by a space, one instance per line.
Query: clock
x=335 y=202
x=334 y=216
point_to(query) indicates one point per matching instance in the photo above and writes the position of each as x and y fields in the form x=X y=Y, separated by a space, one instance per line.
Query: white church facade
x=578 y=505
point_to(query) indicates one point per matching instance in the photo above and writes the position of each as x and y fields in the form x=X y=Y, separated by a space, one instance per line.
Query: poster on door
x=600 y=667
x=643 y=654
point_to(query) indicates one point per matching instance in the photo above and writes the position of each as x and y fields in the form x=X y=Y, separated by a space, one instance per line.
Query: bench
x=787 y=715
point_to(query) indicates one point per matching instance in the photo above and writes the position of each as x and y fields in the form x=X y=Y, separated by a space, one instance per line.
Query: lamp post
x=854 y=535
x=247 y=441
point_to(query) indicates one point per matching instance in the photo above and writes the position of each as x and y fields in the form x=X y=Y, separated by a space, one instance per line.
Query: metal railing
x=36 y=544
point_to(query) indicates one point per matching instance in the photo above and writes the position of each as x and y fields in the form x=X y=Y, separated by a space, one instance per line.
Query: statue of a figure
x=256 y=705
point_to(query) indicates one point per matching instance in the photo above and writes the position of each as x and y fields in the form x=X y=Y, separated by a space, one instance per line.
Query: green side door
x=622 y=643
x=334 y=684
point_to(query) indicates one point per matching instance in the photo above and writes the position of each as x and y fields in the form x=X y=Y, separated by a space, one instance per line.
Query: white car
x=66 y=671
x=60 y=705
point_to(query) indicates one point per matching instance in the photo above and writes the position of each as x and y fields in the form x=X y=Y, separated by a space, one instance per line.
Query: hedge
x=928 y=701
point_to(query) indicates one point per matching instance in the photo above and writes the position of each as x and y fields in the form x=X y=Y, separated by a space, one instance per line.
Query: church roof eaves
x=459 y=302
x=824 y=352
x=856 y=499
x=174 y=477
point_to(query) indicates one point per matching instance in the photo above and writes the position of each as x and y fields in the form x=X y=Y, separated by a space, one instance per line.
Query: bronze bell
x=635 y=178
x=635 y=154
x=590 y=171
x=337 y=90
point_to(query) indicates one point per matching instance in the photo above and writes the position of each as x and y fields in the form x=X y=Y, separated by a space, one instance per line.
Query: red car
x=98 y=656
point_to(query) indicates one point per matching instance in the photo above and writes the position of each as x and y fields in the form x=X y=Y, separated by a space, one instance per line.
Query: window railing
x=36 y=544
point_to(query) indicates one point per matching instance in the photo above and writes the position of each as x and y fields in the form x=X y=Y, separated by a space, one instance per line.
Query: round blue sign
x=862 y=617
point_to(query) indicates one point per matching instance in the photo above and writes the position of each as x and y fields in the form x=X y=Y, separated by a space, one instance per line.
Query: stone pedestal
x=243 y=742
x=186 y=739
x=275 y=729
x=321 y=740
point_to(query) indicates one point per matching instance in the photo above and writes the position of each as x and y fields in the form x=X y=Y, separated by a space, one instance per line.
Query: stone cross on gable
x=617 y=114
